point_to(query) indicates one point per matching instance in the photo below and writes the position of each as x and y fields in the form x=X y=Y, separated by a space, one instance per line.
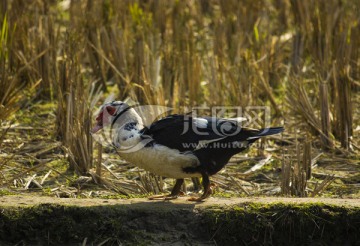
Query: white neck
x=126 y=135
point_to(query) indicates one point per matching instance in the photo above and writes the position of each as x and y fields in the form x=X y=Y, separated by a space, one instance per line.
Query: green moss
x=227 y=194
x=284 y=224
x=61 y=165
x=45 y=107
x=4 y=192
x=55 y=224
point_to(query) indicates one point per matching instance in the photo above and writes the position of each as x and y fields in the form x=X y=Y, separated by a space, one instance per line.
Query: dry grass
x=327 y=37
x=292 y=56
x=76 y=99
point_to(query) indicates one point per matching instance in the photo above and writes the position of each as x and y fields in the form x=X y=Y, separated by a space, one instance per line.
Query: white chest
x=162 y=161
x=157 y=159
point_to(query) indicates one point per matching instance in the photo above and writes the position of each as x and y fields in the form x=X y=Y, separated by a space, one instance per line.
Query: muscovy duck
x=176 y=146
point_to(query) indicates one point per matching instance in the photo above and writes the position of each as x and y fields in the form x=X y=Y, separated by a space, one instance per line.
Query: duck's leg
x=207 y=189
x=197 y=184
x=174 y=193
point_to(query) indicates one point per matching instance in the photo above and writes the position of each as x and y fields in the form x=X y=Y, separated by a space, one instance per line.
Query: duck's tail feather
x=267 y=131
x=270 y=131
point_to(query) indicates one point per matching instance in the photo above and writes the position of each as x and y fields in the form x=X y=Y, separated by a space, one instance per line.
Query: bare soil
x=24 y=200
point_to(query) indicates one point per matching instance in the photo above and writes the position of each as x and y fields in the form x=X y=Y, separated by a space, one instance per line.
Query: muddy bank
x=55 y=221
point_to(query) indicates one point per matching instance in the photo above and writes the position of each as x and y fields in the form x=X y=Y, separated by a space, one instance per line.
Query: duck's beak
x=96 y=128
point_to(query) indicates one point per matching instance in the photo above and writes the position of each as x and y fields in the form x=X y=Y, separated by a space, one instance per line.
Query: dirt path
x=24 y=200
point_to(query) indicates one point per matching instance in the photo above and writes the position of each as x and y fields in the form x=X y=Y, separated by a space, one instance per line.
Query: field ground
x=35 y=163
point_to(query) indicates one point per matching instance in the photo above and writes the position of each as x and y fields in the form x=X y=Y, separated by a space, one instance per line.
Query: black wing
x=184 y=132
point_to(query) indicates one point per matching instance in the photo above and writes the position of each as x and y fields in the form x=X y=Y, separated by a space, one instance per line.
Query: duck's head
x=115 y=113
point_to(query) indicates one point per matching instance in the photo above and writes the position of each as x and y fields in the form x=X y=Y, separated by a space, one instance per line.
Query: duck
x=176 y=146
